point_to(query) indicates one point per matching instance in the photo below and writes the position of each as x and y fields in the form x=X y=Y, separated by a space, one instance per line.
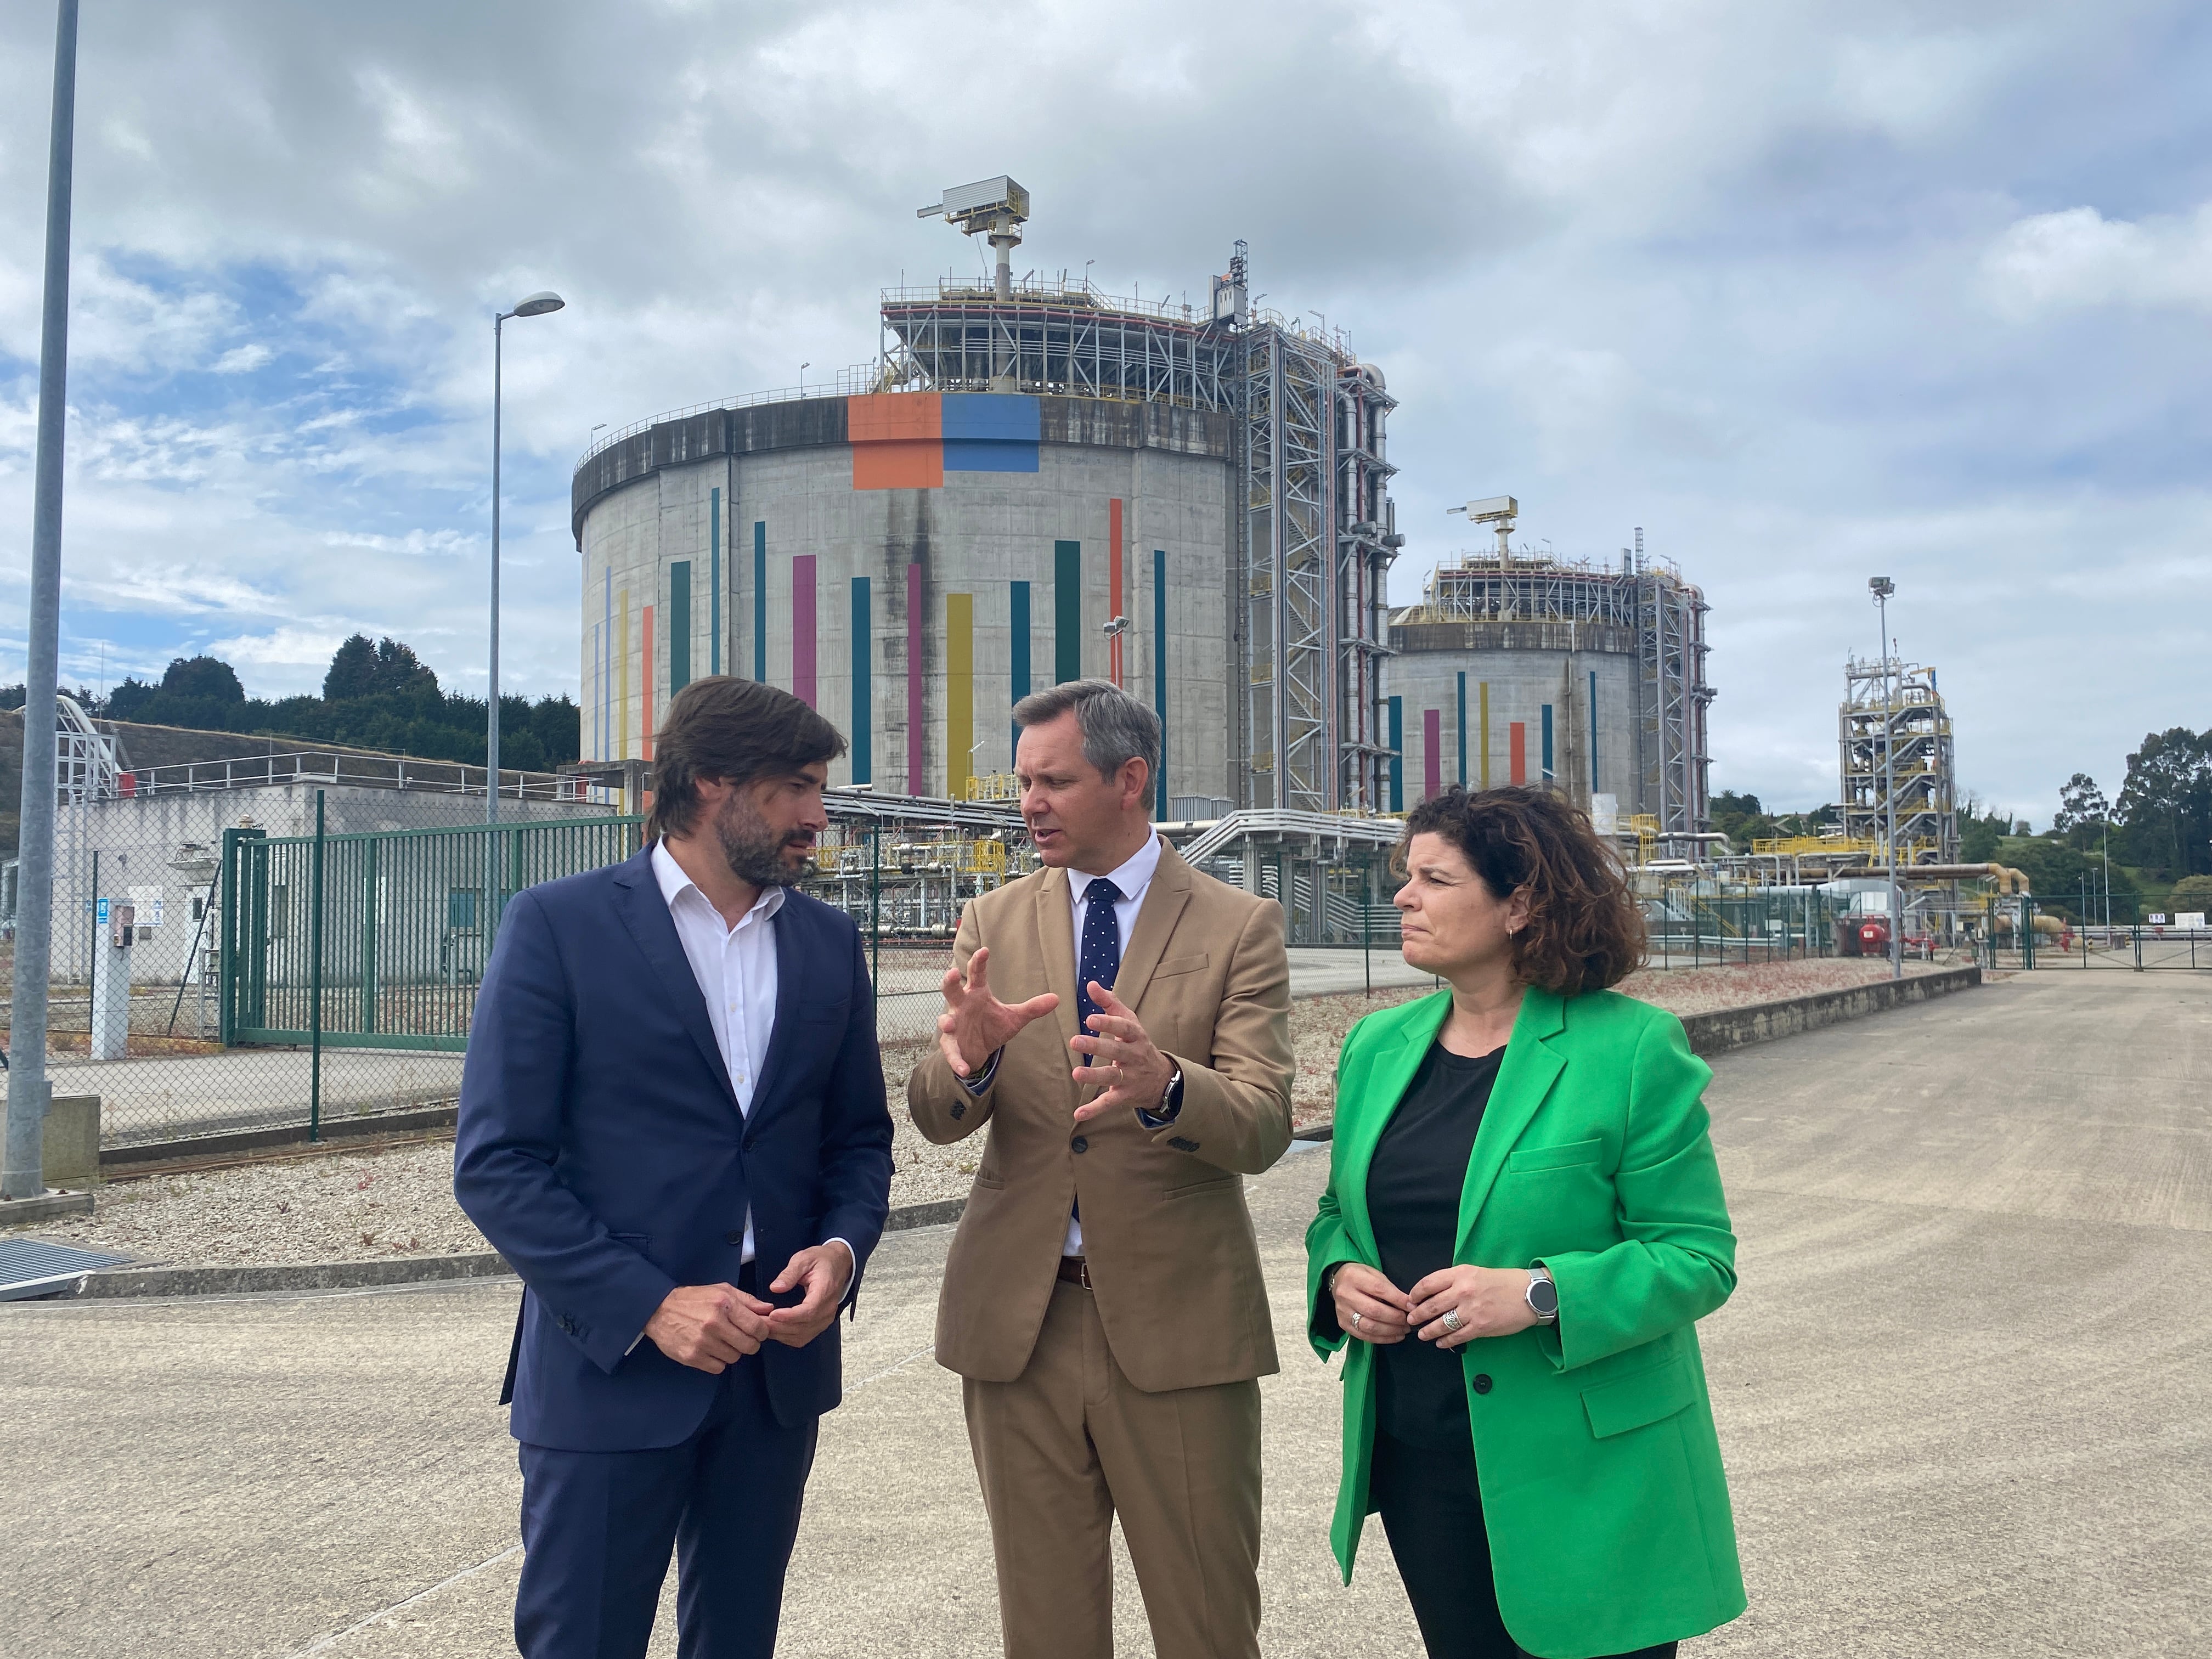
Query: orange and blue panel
x=911 y=439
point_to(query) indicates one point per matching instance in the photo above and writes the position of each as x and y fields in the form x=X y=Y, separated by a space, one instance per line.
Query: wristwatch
x=1542 y=1296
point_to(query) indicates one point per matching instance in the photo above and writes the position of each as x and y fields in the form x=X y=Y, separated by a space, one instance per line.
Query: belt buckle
x=1084 y=1272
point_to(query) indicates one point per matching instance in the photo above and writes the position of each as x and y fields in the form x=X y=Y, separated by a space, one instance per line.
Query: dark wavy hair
x=1585 y=929
x=732 y=730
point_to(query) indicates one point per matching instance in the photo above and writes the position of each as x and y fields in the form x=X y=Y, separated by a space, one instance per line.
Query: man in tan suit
x=1102 y=1301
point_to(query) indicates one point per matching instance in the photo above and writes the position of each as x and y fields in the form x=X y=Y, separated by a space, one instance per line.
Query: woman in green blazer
x=1524 y=1223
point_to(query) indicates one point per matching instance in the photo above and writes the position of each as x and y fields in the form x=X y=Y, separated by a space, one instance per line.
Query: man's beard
x=753 y=852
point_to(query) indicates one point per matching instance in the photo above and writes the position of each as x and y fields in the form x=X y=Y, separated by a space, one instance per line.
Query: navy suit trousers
x=597 y=1529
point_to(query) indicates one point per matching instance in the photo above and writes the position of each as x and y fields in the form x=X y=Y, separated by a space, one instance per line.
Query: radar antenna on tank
x=993 y=207
x=1499 y=510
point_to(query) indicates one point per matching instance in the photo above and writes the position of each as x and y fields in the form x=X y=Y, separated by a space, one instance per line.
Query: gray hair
x=1116 y=728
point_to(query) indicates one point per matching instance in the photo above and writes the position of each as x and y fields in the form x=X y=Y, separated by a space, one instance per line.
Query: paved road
x=1964 y=1391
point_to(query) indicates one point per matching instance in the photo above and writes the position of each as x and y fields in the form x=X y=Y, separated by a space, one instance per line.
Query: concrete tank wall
x=851 y=536
x=1524 y=687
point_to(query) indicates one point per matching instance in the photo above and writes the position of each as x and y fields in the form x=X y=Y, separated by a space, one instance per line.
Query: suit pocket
x=1229 y=1181
x=636 y=1241
x=1181 y=965
x=1634 y=1401
x=1531 y=1160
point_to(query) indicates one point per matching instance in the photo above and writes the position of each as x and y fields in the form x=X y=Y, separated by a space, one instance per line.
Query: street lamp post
x=22 y=1173
x=1882 y=588
x=537 y=305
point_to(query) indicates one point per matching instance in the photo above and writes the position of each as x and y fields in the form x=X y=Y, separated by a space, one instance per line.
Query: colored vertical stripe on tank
x=1116 y=664
x=1160 y=674
x=863 y=716
x=713 y=581
x=1516 y=752
x=1018 y=654
x=1483 y=692
x=606 y=657
x=645 y=719
x=989 y=431
x=1548 y=743
x=1397 y=754
x=1461 y=727
x=760 y=599
x=914 y=716
x=1066 y=611
x=1593 y=719
x=1432 y=753
x=959 y=693
x=897 y=440
x=622 y=682
x=679 y=625
x=802 y=631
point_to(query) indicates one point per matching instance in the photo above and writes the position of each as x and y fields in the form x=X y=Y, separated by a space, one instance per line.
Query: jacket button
x=1079 y=1144
x=1482 y=1381
x=734 y=1238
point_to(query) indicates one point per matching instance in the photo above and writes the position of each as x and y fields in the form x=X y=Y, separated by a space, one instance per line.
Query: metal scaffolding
x=1318 y=534
x=1892 y=713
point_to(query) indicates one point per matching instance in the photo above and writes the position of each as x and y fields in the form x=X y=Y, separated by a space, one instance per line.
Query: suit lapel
x=644 y=915
x=1164 y=898
x=1056 y=941
x=1389 y=1070
x=789 y=964
x=1526 y=1077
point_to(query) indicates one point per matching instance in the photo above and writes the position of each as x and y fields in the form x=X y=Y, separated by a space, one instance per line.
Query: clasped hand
x=1490 y=1301
x=710 y=1327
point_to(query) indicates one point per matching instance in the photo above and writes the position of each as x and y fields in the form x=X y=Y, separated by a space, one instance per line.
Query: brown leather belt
x=1075 y=1270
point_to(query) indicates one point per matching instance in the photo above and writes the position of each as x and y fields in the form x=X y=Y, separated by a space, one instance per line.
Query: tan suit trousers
x=1070 y=1443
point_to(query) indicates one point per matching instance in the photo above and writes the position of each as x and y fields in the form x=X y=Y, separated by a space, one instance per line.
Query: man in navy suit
x=672 y=1124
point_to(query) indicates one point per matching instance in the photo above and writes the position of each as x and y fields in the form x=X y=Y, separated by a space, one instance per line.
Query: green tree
x=2190 y=893
x=2166 y=805
x=387 y=668
x=208 y=679
x=2084 y=811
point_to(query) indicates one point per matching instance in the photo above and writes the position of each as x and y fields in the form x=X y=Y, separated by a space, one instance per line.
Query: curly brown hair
x=737 y=730
x=1585 y=929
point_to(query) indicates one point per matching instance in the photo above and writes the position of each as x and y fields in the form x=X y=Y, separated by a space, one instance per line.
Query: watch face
x=1544 y=1298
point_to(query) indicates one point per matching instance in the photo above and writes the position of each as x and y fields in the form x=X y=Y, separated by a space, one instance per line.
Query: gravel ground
x=354 y=1206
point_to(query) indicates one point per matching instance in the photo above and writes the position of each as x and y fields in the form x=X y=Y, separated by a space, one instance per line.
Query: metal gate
x=377 y=940
x=2018 y=932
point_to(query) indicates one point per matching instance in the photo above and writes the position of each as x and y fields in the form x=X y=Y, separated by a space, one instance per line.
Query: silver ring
x=1355 y=1321
x=1451 y=1319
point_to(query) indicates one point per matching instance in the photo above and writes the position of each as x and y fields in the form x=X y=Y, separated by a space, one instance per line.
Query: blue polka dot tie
x=1099 y=956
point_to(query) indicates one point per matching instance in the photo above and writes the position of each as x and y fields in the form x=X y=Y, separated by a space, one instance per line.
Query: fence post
x=315 y=986
x=369 y=941
x=1366 y=924
x=875 y=917
x=2136 y=929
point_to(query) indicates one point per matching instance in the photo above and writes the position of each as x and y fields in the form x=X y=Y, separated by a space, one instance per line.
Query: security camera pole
x=28 y=1090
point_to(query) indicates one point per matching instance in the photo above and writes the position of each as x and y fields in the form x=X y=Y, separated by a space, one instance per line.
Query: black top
x=1413 y=1189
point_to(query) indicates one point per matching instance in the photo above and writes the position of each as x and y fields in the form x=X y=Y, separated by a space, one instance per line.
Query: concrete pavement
x=1963 y=1391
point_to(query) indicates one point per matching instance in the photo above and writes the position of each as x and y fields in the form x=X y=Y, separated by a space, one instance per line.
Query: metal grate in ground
x=29 y=1268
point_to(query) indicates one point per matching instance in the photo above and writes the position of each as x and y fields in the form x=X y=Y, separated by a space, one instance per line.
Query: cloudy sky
x=1809 y=292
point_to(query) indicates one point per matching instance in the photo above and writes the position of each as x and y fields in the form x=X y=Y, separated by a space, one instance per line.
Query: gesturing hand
x=708 y=1327
x=1120 y=1058
x=825 y=1270
x=1490 y=1301
x=975 y=1025
x=1368 y=1305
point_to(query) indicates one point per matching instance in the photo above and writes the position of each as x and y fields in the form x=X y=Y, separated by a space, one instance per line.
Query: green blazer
x=1601 y=1484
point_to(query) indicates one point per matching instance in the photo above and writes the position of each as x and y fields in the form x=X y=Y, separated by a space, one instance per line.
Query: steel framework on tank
x=1667 y=616
x=1064 y=339
x=1893 y=709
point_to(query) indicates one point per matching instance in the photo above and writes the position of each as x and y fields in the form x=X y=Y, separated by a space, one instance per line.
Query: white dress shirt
x=736 y=970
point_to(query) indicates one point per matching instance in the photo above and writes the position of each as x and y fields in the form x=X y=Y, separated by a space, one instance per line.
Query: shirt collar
x=1131 y=879
x=674 y=884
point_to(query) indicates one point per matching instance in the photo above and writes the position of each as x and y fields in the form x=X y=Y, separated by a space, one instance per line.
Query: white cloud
x=244 y=360
x=2078 y=259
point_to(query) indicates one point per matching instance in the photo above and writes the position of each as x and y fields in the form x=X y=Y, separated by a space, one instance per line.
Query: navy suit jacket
x=601 y=1149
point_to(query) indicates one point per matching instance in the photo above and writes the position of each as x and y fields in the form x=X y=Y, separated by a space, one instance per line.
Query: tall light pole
x=28 y=1090
x=1881 y=587
x=536 y=305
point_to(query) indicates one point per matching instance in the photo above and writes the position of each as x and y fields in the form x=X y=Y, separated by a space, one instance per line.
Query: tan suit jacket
x=1174 y=1264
